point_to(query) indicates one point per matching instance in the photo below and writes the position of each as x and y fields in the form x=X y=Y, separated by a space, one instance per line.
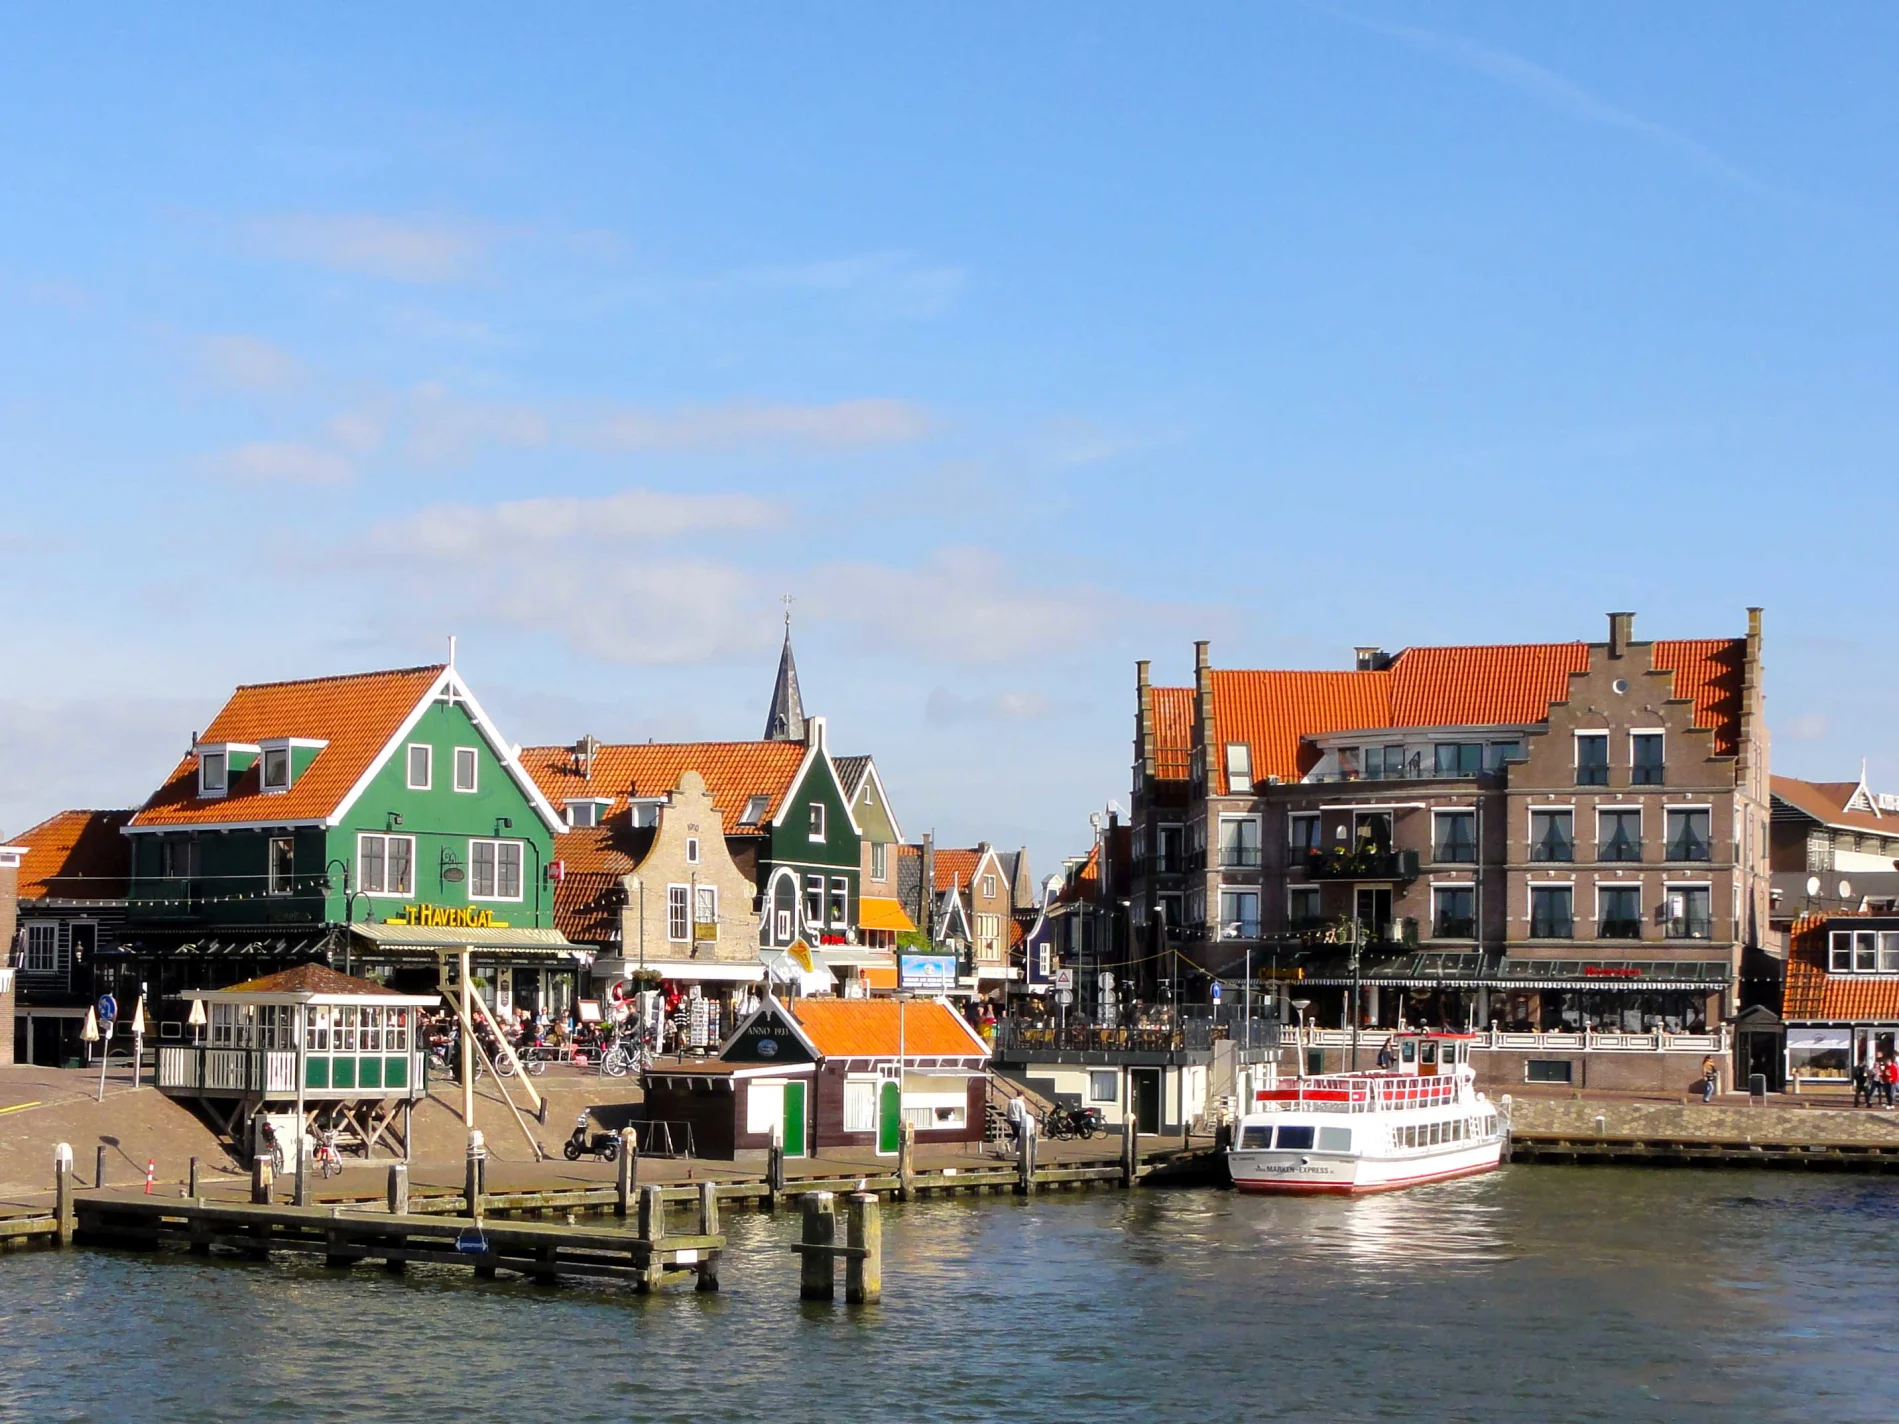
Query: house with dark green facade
x=376 y=822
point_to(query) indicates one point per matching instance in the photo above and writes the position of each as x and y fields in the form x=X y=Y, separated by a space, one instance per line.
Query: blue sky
x=1015 y=344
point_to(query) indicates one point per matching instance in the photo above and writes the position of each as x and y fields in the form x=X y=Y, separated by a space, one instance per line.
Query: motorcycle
x=1062 y=1123
x=604 y=1145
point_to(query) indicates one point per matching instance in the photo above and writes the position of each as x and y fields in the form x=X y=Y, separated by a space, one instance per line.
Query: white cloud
x=841 y=424
x=446 y=429
x=950 y=709
x=393 y=248
x=282 y=462
x=565 y=524
x=249 y=362
x=1807 y=727
x=356 y=431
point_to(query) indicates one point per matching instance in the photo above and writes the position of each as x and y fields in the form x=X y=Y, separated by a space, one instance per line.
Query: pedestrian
x=1387 y=1056
x=1021 y=1123
x=1710 y=1079
x=1862 y=1086
x=1890 y=1079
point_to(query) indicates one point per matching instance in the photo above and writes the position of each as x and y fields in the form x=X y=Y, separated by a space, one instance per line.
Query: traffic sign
x=1064 y=997
x=108 y=1008
x=1216 y=991
x=1064 y=978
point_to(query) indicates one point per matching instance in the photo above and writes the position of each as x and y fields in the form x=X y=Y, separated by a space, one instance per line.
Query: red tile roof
x=309 y=979
x=76 y=855
x=867 y=1028
x=1274 y=711
x=1825 y=801
x=356 y=715
x=734 y=772
x=1173 y=732
x=955 y=867
x=1812 y=994
x=593 y=859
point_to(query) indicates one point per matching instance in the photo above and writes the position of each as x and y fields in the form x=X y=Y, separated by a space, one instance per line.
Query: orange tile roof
x=878 y=912
x=955 y=867
x=587 y=899
x=1825 y=801
x=357 y=715
x=1173 y=732
x=76 y=855
x=734 y=772
x=1811 y=994
x=1275 y=711
x=867 y=1028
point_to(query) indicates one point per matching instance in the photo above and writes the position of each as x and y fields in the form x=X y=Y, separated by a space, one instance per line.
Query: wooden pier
x=1582 y=1149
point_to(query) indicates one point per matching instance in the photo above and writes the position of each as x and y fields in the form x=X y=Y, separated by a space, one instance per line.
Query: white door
x=765 y=1106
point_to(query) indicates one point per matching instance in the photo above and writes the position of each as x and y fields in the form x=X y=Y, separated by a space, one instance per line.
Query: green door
x=889 y=1117
x=794 y=1119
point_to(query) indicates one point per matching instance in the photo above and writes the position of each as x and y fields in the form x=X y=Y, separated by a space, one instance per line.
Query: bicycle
x=324 y=1156
x=626 y=1056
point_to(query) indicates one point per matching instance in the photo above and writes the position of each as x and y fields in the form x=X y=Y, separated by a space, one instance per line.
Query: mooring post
x=472 y=1175
x=191 y=1180
x=817 y=1276
x=1130 y=1151
x=63 y=1192
x=906 y=1160
x=775 y=1170
x=708 y=1226
x=398 y=1190
x=629 y=1173
x=98 y=1171
x=261 y=1182
x=652 y=1227
x=302 y=1197
x=1025 y=1161
x=864 y=1232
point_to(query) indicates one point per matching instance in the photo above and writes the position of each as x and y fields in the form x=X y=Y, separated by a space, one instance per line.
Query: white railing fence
x=1589 y=1041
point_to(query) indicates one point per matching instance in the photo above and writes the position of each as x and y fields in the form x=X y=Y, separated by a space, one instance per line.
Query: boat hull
x=1314 y=1174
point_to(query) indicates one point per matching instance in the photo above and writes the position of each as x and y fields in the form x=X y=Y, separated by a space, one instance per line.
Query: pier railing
x=1190 y=1033
x=1588 y=1041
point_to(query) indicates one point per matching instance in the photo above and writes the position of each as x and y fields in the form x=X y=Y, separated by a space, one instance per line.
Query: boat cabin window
x=1427 y=1053
x=1296 y=1138
x=1408 y=1050
x=1335 y=1139
x=1257 y=1137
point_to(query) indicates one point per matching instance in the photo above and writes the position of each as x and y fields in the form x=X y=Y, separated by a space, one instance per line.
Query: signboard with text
x=927 y=973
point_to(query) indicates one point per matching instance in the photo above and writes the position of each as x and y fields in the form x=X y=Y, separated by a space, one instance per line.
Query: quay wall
x=1716 y=1122
x=1507 y=1070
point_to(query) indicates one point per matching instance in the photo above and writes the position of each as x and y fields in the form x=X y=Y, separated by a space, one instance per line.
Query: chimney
x=1371 y=659
x=1140 y=672
x=1621 y=633
x=1201 y=662
x=814 y=731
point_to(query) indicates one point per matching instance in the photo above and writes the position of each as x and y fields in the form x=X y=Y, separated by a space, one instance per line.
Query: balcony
x=1690 y=927
x=1619 y=929
x=1454 y=927
x=1619 y=849
x=1367 y=864
x=1553 y=849
x=1241 y=857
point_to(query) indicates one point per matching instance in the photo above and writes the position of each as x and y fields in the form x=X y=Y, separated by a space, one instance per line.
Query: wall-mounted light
x=395 y=819
x=502 y=823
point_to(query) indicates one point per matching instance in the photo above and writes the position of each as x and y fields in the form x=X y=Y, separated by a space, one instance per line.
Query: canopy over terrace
x=511 y=965
x=344 y=1051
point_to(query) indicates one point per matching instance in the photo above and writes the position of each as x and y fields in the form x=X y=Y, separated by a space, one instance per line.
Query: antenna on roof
x=451 y=650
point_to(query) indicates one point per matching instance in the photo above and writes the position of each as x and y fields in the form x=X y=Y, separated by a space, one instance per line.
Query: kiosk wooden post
x=817 y=1273
x=864 y=1234
x=1130 y=1150
x=191 y=1180
x=775 y=1170
x=98 y=1171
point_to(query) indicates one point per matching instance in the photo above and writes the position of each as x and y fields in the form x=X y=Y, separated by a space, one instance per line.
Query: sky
x=1012 y=344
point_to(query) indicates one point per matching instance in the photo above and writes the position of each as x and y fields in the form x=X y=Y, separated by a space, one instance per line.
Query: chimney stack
x=1371 y=659
x=1621 y=633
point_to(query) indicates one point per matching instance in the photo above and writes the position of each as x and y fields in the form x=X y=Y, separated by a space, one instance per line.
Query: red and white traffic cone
x=151 y=1169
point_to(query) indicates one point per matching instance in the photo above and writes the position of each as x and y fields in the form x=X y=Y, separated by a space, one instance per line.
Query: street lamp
x=1299 y=1007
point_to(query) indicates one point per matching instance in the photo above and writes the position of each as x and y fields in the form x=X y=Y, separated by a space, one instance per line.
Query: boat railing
x=1349 y=1094
x=1588 y=1041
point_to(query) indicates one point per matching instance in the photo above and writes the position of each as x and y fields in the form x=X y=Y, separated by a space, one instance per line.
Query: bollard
x=541 y=1112
x=652 y=1228
x=473 y=1173
x=398 y=1191
x=817 y=1275
x=63 y=1193
x=98 y=1171
x=629 y=1174
x=1130 y=1152
x=864 y=1232
x=906 y=1160
x=302 y=1197
x=261 y=1183
x=1025 y=1161
x=774 y=1171
x=191 y=1181
x=708 y=1226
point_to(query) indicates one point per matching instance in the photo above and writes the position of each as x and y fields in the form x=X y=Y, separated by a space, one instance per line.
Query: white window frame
x=474 y=771
x=1244 y=780
x=642 y=812
x=678 y=912
x=879 y=861
x=1575 y=745
x=48 y=932
x=839 y=896
x=1318 y=825
x=1705 y=808
x=1669 y=887
x=1440 y=812
x=692 y=850
x=705 y=904
x=1569 y=885
x=755 y=807
x=263 y=770
x=1634 y=885
x=497 y=897
x=1095 y=1076
x=1304 y=892
x=1239 y=892
x=816 y=811
x=205 y=786
x=428 y=766
x=989 y=887
x=1635 y=732
x=860 y=1093
x=362 y=861
x=813 y=886
x=1470 y=885
x=272 y=886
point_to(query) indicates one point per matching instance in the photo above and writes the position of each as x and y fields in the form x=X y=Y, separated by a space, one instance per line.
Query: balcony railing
x=1619 y=929
x=1619 y=849
x=1553 y=849
x=1240 y=857
x=1690 y=927
x=1553 y=927
x=1341 y=864
x=1454 y=927
x=1689 y=848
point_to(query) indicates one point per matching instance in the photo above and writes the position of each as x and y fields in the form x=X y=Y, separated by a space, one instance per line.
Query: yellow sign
x=705 y=931
x=448 y=917
x=800 y=953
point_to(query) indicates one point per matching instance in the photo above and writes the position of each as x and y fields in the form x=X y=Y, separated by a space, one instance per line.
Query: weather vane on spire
x=787 y=600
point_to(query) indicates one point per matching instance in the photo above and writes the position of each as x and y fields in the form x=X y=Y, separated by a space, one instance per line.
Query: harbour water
x=1533 y=1293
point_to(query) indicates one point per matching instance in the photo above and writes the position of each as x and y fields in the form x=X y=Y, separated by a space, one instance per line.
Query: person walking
x=1862 y=1085
x=1890 y=1079
x=1710 y=1078
x=1021 y=1121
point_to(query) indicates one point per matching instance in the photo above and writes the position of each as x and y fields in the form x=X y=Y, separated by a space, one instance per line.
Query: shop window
x=1819 y=1052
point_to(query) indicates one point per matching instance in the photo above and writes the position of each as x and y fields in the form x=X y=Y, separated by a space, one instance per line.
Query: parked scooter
x=1064 y=1122
x=604 y=1145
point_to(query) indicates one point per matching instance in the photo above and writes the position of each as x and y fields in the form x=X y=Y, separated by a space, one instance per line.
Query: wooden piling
x=817 y=1272
x=1130 y=1151
x=1025 y=1162
x=652 y=1226
x=774 y=1172
x=302 y=1196
x=261 y=1182
x=98 y=1171
x=864 y=1234
x=397 y=1194
x=709 y=1226
x=906 y=1160
x=629 y=1172
x=63 y=1194
x=191 y=1181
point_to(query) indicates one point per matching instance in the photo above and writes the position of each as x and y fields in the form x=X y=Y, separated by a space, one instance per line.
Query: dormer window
x=643 y=815
x=277 y=769
x=754 y=810
x=586 y=811
x=284 y=759
x=1239 y=767
x=213 y=774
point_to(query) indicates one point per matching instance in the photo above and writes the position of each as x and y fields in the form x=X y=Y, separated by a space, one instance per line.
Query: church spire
x=785 y=721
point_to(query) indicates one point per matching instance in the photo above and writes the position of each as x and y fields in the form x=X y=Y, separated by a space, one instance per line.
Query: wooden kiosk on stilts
x=333 y=1052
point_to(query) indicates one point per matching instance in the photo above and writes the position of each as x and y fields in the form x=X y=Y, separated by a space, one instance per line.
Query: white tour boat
x=1421 y=1121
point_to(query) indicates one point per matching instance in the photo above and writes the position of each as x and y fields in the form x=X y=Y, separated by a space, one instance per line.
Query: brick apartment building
x=1541 y=837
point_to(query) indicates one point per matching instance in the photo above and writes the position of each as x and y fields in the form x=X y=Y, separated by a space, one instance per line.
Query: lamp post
x=1358 y=940
x=1299 y=1006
